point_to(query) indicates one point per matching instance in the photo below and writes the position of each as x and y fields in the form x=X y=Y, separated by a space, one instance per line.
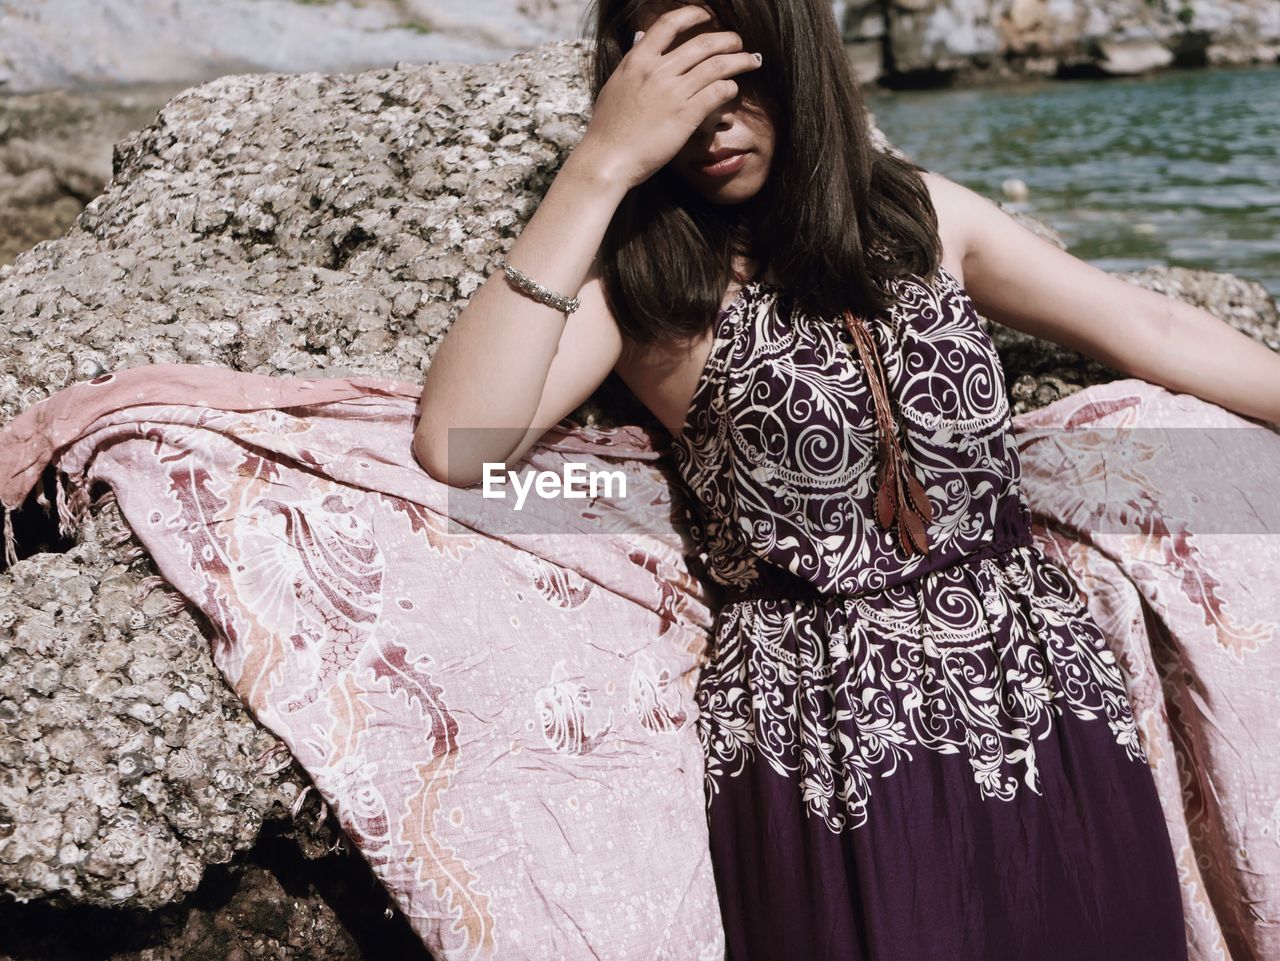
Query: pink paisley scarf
x=500 y=710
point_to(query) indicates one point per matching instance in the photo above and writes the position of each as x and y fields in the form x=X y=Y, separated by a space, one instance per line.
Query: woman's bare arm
x=510 y=367
x=1020 y=280
x=489 y=373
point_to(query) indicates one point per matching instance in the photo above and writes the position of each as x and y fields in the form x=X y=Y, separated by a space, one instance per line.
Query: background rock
x=67 y=43
x=304 y=225
x=931 y=42
x=279 y=224
x=273 y=904
x=70 y=43
x=55 y=156
x=309 y=224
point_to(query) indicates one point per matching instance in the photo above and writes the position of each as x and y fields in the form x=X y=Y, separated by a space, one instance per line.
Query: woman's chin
x=734 y=191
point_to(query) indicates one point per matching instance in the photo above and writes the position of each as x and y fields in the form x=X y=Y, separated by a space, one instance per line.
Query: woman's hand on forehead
x=649 y=14
x=662 y=91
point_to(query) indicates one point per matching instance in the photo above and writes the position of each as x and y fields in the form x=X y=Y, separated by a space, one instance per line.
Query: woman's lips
x=724 y=167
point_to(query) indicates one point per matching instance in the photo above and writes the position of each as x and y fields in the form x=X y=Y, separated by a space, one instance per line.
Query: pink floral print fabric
x=503 y=716
x=500 y=720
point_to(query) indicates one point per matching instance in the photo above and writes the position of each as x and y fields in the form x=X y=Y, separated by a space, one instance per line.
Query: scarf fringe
x=119 y=538
x=72 y=504
x=148 y=585
x=72 y=509
x=10 y=542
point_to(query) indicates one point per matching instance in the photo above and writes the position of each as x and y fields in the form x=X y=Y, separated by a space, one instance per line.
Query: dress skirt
x=891 y=793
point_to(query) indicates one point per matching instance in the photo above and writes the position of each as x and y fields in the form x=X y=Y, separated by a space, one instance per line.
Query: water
x=1180 y=169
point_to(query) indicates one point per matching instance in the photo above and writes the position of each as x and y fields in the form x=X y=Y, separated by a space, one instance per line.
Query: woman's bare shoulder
x=1017 y=278
x=953 y=204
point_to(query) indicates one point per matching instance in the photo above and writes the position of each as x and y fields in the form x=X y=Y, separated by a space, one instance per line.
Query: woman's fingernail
x=759 y=57
x=636 y=38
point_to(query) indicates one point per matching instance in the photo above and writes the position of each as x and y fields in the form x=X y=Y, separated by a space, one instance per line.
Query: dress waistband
x=776 y=582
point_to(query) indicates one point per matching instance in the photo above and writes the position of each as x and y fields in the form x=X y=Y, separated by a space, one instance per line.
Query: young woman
x=917 y=743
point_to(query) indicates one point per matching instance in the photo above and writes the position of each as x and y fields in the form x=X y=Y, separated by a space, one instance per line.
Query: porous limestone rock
x=1038 y=372
x=295 y=224
x=272 y=906
x=126 y=763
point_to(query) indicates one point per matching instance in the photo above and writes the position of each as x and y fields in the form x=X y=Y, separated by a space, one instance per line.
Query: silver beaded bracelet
x=539 y=293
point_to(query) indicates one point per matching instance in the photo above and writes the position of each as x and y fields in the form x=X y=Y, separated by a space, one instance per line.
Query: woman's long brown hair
x=835 y=221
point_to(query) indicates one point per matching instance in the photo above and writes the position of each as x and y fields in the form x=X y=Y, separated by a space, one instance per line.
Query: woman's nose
x=719 y=119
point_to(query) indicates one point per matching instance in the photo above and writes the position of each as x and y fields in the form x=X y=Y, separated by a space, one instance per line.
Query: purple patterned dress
x=908 y=758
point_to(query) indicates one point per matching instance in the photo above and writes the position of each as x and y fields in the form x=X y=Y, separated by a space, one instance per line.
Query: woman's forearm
x=488 y=372
x=1199 y=354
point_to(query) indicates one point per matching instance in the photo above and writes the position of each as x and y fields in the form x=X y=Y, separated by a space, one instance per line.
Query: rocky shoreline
x=56 y=144
x=929 y=43
x=306 y=225
x=899 y=43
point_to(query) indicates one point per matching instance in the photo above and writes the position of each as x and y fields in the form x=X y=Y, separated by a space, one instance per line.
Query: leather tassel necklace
x=901 y=502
